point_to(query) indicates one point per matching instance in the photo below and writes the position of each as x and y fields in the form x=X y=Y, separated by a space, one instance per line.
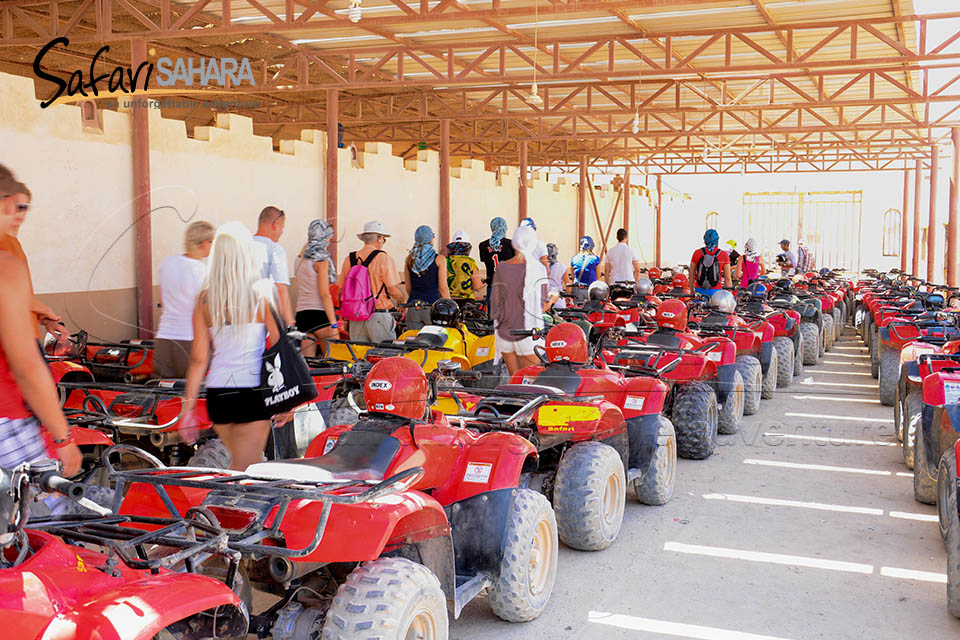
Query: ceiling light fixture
x=534 y=97
x=355 y=12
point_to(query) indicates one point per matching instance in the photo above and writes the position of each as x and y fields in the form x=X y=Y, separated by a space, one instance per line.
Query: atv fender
x=643 y=396
x=494 y=461
x=141 y=609
x=884 y=333
x=910 y=368
x=766 y=355
x=725 y=383
x=479 y=525
x=527 y=375
x=642 y=432
x=318 y=446
x=66 y=371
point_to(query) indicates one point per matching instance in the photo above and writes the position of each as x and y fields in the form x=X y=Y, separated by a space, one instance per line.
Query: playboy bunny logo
x=275 y=379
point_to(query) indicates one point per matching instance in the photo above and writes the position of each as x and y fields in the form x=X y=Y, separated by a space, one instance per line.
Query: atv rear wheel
x=837 y=324
x=828 y=332
x=589 y=496
x=389 y=598
x=953 y=566
x=924 y=485
x=798 y=357
x=732 y=411
x=752 y=374
x=770 y=377
x=947 y=494
x=874 y=353
x=910 y=420
x=810 y=336
x=655 y=487
x=342 y=413
x=889 y=372
x=898 y=413
x=784 y=348
x=528 y=568
x=695 y=419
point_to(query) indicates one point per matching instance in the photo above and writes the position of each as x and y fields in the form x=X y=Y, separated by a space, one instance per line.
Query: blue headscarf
x=586 y=243
x=498 y=231
x=423 y=252
x=711 y=239
x=530 y=223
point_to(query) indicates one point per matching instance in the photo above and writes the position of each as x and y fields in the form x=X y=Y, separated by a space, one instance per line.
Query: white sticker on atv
x=483 y=351
x=527 y=380
x=951 y=392
x=716 y=356
x=634 y=402
x=380 y=385
x=329 y=445
x=477 y=472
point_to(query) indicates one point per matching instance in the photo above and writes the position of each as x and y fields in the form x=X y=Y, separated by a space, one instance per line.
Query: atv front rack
x=139 y=426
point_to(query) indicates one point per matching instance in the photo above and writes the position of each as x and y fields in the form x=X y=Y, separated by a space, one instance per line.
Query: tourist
x=272 y=257
x=384 y=284
x=463 y=277
x=622 y=263
x=426 y=277
x=710 y=266
x=315 y=273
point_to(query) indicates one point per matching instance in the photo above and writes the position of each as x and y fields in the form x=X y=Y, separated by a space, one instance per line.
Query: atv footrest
x=468 y=588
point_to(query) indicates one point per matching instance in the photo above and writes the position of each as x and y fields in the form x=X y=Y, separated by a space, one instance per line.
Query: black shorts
x=310 y=320
x=227 y=405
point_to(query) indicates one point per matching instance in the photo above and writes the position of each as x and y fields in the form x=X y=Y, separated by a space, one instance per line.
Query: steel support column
x=331 y=171
x=917 y=183
x=954 y=203
x=444 y=184
x=140 y=145
x=659 y=212
x=626 y=202
x=582 y=202
x=932 y=220
x=522 y=206
x=904 y=217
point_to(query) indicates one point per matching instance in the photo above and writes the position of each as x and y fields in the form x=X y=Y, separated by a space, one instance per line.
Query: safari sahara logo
x=201 y=72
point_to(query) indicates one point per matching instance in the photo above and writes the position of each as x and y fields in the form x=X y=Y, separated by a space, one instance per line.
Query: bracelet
x=65 y=441
x=334 y=325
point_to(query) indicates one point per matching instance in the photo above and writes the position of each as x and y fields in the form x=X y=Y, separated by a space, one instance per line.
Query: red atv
x=401 y=499
x=54 y=586
x=124 y=361
x=948 y=487
x=918 y=360
x=937 y=432
x=927 y=328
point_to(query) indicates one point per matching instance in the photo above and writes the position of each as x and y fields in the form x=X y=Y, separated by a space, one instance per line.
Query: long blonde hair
x=234 y=271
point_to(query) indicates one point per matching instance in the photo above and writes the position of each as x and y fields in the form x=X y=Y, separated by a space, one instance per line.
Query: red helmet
x=672 y=314
x=811 y=275
x=679 y=280
x=566 y=342
x=397 y=386
x=654 y=273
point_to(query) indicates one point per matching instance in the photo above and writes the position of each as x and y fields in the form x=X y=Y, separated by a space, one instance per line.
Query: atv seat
x=429 y=337
x=532 y=389
x=359 y=455
x=714 y=320
x=664 y=339
x=559 y=375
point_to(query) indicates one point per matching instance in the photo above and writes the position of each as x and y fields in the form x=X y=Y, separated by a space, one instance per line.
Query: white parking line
x=910 y=574
x=849 y=355
x=836 y=399
x=904 y=474
x=923 y=517
x=846 y=364
x=843 y=373
x=831 y=439
x=830 y=417
x=815 y=467
x=668 y=628
x=811 y=382
x=819 y=506
x=851 y=348
x=772 y=558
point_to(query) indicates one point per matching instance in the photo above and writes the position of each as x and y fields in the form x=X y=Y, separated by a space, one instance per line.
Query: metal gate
x=828 y=221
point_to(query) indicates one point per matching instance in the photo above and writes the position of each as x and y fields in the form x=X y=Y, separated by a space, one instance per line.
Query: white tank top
x=237 y=356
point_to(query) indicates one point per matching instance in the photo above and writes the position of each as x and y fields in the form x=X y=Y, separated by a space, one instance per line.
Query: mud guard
x=884 y=333
x=141 y=609
x=725 y=376
x=480 y=526
x=642 y=432
x=929 y=422
x=945 y=433
x=912 y=370
x=766 y=355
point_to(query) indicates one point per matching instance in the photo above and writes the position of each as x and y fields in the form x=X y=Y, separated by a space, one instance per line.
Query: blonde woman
x=231 y=324
x=181 y=279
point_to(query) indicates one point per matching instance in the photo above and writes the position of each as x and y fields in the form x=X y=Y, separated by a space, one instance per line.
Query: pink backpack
x=357 y=302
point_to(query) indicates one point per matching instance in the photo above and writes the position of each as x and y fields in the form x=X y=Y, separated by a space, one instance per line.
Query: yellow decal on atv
x=563 y=415
x=446 y=405
x=81 y=565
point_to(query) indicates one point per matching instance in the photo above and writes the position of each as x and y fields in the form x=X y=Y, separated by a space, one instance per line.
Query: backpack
x=357 y=302
x=708 y=270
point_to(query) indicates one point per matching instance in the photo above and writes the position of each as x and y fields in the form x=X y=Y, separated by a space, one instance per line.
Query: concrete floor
x=722 y=561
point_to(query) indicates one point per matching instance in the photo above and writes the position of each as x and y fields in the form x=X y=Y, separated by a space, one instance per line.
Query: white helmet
x=643 y=287
x=598 y=291
x=723 y=301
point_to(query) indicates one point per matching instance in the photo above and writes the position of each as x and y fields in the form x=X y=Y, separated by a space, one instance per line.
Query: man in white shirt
x=621 y=264
x=272 y=257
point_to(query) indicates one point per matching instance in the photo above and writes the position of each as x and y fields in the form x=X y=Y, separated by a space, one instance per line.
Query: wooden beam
x=932 y=220
x=331 y=169
x=904 y=217
x=140 y=144
x=917 y=183
x=954 y=204
x=444 y=184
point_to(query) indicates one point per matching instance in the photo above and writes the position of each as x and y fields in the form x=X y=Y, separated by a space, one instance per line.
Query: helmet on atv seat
x=784 y=284
x=567 y=342
x=757 y=290
x=654 y=272
x=672 y=314
x=643 y=287
x=397 y=386
x=679 y=280
x=811 y=275
x=824 y=272
x=723 y=301
x=445 y=313
x=598 y=290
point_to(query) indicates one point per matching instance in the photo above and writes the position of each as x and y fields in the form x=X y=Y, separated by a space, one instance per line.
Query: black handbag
x=285 y=381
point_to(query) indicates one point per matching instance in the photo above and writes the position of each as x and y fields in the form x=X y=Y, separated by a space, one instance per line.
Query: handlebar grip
x=58 y=484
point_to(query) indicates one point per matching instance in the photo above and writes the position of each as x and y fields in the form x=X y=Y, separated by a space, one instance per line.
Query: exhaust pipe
x=284 y=570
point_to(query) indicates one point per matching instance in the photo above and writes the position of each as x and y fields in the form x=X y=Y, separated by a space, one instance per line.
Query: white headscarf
x=525 y=241
x=750 y=249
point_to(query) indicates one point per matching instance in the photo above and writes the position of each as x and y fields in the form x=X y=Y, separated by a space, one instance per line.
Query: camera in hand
x=781 y=258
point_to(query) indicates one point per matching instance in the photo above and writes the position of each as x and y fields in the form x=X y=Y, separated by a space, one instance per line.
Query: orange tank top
x=11 y=400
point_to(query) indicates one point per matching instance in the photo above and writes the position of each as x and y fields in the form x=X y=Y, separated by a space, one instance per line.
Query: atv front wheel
x=656 y=485
x=874 y=352
x=589 y=496
x=827 y=332
x=696 y=420
x=947 y=493
x=528 y=568
x=837 y=324
x=798 y=357
x=389 y=598
x=924 y=484
x=732 y=412
x=810 y=336
x=889 y=372
x=784 y=348
x=910 y=419
x=950 y=528
x=752 y=374
x=770 y=377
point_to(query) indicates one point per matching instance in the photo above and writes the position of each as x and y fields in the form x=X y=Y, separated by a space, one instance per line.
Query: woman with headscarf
x=555 y=273
x=315 y=273
x=584 y=265
x=516 y=301
x=710 y=266
x=426 y=277
x=498 y=248
x=540 y=251
x=750 y=266
x=463 y=277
